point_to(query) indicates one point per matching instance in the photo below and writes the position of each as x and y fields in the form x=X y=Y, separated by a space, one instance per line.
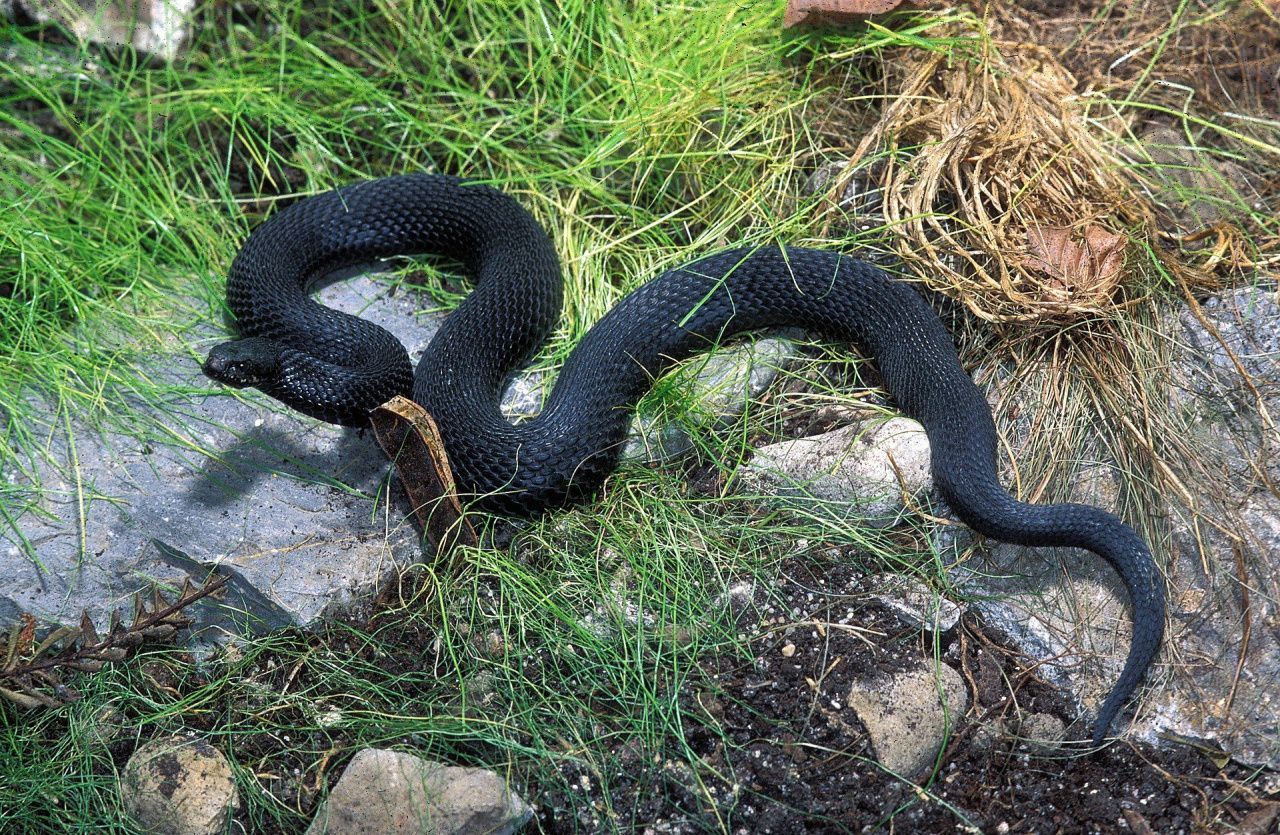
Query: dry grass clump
x=981 y=166
x=1210 y=72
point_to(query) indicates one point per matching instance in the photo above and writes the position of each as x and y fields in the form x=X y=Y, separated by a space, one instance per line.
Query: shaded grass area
x=639 y=134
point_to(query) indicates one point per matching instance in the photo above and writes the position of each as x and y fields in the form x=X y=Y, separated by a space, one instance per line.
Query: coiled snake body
x=338 y=368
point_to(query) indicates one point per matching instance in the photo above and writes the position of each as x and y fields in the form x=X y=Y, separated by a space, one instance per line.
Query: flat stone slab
x=294 y=510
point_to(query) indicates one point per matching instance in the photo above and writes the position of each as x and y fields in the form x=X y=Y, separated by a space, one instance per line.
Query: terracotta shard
x=817 y=12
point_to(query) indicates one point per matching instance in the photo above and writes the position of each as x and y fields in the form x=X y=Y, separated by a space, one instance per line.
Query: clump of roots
x=996 y=186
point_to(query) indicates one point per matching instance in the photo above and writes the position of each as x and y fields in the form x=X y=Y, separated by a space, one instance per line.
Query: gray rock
x=158 y=27
x=1226 y=684
x=910 y=715
x=286 y=506
x=858 y=472
x=386 y=792
x=720 y=387
x=1224 y=545
x=1231 y=417
x=1219 y=545
x=1064 y=606
x=179 y=787
x=524 y=395
x=915 y=602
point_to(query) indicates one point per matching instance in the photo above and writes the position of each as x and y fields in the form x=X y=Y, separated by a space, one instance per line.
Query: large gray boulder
x=301 y=515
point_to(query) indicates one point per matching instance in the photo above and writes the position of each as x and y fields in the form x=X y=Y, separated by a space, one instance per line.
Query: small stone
x=159 y=27
x=1043 y=732
x=179 y=787
x=906 y=716
x=720 y=386
x=857 y=472
x=915 y=603
x=390 y=791
x=105 y=726
x=788 y=650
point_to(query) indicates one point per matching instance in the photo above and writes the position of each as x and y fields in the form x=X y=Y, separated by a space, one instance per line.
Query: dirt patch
x=762 y=743
x=1230 y=59
x=778 y=751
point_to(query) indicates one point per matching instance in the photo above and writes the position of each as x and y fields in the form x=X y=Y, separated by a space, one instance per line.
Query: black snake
x=337 y=367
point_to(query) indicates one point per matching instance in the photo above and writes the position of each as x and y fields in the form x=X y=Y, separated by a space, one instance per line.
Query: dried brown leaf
x=158 y=601
x=410 y=438
x=25 y=637
x=30 y=670
x=57 y=636
x=1089 y=268
x=88 y=634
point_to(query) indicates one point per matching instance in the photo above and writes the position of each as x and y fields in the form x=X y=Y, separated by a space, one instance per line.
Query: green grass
x=639 y=134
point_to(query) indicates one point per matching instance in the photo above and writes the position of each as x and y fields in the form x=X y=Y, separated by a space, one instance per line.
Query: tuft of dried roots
x=995 y=186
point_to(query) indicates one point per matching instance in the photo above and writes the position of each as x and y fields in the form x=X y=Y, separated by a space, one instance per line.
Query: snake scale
x=337 y=367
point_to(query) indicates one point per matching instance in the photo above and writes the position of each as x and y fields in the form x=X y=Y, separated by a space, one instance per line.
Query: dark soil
x=773 y=746
x=779 y=752
x=1231 y=59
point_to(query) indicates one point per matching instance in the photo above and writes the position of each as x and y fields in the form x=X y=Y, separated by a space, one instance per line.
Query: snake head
x=243 y=362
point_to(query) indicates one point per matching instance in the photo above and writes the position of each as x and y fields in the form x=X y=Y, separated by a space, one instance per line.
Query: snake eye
x=244 y=362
